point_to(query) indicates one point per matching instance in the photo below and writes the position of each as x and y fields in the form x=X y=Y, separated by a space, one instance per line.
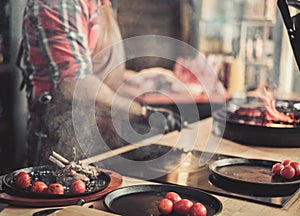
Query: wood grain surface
x=203 y=140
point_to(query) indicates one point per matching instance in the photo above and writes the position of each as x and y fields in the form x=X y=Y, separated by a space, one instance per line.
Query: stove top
x=189 y=173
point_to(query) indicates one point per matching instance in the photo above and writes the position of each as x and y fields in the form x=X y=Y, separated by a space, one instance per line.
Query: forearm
x=108 y=103
x=106 y=100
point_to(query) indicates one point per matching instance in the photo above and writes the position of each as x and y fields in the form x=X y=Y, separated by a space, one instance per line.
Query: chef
x=67 y=42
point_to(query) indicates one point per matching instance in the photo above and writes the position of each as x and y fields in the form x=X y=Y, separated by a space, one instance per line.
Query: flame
x=277 y=125
x=272 y=114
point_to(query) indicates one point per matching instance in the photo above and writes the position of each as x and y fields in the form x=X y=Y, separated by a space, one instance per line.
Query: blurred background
x=246 y=35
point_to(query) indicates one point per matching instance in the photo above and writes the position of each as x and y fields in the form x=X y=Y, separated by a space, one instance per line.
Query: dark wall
x=4 y=30
x=12 y=101
x=19 y=98
x=155 y=17
x=6 y=120
x=149 y=17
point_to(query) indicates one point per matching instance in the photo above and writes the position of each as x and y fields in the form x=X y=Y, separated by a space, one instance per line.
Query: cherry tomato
x=286 y=162
x=296 y=166
x=174 y=197
x=287 y=172
x=39 y=187
x=78 y=187
x=183 y=206
x=277 y=168
x=198 y=209
x=56 y=188
x=165 y=206
x=23 y=180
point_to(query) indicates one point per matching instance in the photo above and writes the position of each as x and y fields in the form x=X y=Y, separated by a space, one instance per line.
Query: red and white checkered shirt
x=59 y=37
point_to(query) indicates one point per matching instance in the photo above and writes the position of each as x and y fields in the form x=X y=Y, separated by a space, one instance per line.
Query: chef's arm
x=91 y=88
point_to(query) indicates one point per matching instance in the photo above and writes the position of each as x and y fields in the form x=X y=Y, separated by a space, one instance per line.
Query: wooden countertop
x=203 y=141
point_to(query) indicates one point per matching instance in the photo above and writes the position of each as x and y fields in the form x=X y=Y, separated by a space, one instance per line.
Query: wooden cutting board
x=116 y=181
x=80 y=211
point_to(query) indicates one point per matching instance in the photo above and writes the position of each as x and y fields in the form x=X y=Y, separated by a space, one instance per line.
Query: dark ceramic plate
x=45 y=174
x=143 y=199
x=250 y=171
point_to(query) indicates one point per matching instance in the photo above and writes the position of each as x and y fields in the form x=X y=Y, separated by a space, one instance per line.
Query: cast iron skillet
x=143 y=199
x=251 y=176
x=251 y=171
x=45 y=174
x=255 y=134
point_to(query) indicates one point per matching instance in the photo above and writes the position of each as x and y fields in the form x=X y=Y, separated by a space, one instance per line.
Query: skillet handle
x=1 y=181
x=294 y=3
x=46 y=212
x=285 y=13
x=291 y=29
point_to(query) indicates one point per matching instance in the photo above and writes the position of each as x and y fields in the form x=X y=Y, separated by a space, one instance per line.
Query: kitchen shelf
x=244 y=29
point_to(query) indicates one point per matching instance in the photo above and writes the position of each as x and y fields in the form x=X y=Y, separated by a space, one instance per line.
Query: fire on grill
x=282 y=114
x=262 y=121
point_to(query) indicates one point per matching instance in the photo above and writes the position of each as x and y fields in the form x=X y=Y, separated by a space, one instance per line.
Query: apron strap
x=19 y=62
x=25 y=78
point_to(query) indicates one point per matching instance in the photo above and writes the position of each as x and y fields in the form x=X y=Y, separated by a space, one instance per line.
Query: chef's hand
x=172 y=121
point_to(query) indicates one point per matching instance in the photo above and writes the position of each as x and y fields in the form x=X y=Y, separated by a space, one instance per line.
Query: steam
x=62 y=136
x=59 y=124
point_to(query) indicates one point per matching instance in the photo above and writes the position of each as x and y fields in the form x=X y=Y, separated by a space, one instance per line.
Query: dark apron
x=50 y=125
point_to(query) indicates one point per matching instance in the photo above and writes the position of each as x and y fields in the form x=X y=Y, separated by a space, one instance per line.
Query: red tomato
x=277 y=168
x=198 y=209
x=56 y=188
x=23 y=180
x=165 y=206
x=286 y=162
x=78 y=187
x=182 y=207
x=174 y=197
x=287 y=172
x=296 y=166
x=39 y=187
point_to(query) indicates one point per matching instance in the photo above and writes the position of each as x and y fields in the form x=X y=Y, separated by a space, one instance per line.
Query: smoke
x=138 y=47
x=59 y=125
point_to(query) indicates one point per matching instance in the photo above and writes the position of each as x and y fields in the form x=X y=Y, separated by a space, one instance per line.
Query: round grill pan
x=45 y=174
x=254 y=134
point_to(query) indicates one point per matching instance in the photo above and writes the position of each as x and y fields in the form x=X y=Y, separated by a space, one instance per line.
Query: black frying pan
x=141 y=200
x=251 y=176
x=256 y=134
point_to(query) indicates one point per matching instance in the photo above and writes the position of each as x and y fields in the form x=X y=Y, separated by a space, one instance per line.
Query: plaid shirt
x=59 y=37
